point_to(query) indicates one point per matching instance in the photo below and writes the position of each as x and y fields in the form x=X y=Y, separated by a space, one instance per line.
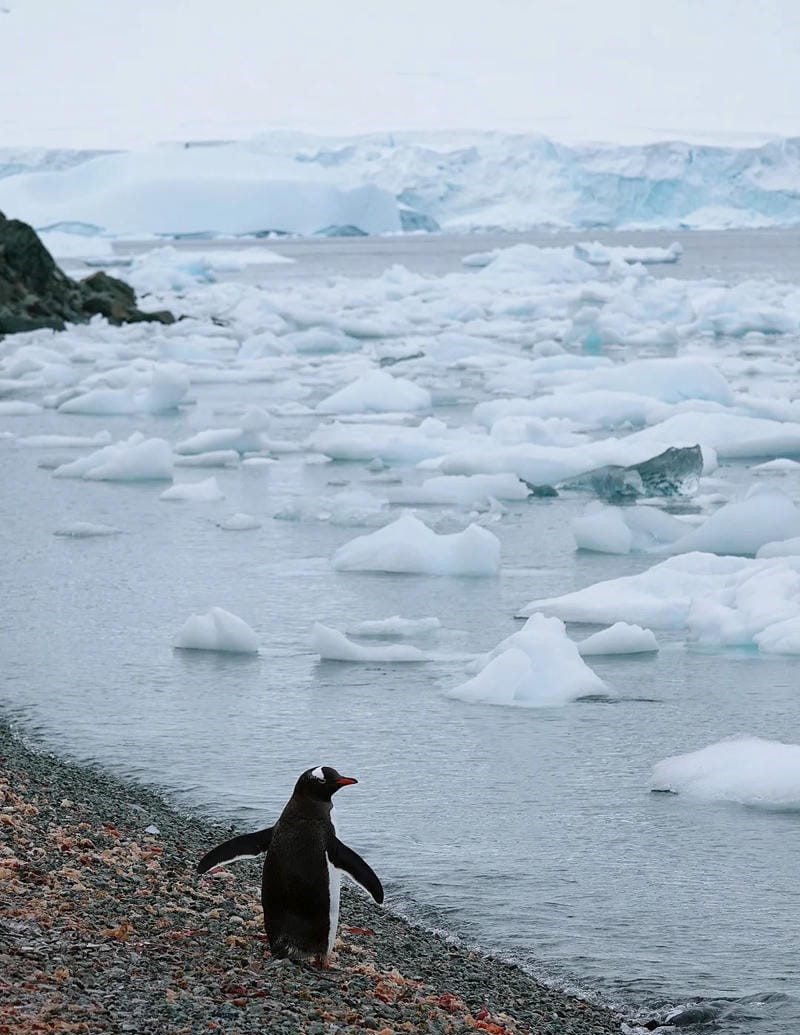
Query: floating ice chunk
x=18 y=408
x=546 y=265
x=219 y=630
x=619 y=638
x=377 y=392
x=674 y=472
x=778 y=466
x=781 y=548
x=408 y=545
x=248 y=437
x=206 y=491
x=748 y=770
x=602 y=255
x=659 y=597
x=167 y=385
x=742 y=528
x=395 y=626
x=173 y=269
x=239 y=522
x=102 y=438
x=464 y=490
x=215 y=458
x=670 y=380
x=332 y=645
x=606 y=529
x=84 y=530
x=536 y=667
x=393 y=444
x=134 y=459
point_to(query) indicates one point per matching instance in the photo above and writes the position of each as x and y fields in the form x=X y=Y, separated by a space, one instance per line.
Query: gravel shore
x=105 y=927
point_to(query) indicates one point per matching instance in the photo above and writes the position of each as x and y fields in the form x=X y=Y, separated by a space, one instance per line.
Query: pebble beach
x=105 y=927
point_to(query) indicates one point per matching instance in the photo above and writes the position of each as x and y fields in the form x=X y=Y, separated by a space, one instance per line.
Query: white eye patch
x=318 y=774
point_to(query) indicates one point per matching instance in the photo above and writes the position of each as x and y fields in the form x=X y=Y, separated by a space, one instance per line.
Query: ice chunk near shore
x=332 y=645
x=781 y=465
x=605 y=529
x=217 y=630
x=598 y=254
x=248 y=437
x=206 y=491
x=462 y=490
x=377 y=392
x=742 y=528
x=619 y=638
x=162 y=391
x=395 y=626
x=408 y=545
x=133 y=459
x=85 y=530
x=749 y=770
x=537 y=667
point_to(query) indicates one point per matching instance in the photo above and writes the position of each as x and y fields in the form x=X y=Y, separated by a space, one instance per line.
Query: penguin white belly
x=334 y=885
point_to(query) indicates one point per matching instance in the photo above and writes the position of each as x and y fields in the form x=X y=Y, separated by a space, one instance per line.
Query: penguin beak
x=345 y=781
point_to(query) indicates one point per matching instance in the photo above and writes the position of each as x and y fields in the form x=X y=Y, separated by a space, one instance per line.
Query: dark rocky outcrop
x=35 y=293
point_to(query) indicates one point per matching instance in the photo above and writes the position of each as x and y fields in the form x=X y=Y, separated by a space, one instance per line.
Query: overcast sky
x=126 y=72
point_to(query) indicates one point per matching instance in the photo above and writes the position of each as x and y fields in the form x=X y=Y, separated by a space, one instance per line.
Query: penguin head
x=322 y=783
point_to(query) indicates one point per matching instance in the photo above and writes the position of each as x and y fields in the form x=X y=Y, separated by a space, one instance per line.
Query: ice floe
x=206 y=491
x=394 y=626
x=377 y=392
x=536 y=667
x=620 y=638
x=749 y=770
x=160 y=391
x=332 y=645
x=408 y=545
x=605 y=529
x=85 y=530
x=133 y=459
x=463 y=490
x=217 y=630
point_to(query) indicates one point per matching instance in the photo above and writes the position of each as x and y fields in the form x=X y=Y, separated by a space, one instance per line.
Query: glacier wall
x=383 y=183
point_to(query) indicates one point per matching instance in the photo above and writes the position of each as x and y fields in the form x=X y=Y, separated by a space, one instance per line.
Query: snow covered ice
x=409 y=545
x=217 y=630
x=749 y=770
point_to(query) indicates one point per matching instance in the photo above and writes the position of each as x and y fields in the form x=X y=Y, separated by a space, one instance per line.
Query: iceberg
x=675 y=472
x=134 y=459
x=377 y=392
x=604 y=529
x=161 y=391
x=748 y=770
x=332 y=645
x=537 y=667
x=741 y=528
x=409 y=546
x=217 y=630
x=620 y=638
x=206 y=491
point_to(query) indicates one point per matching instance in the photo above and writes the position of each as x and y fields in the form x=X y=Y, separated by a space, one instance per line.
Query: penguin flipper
x=344 y=858
x=246 y=846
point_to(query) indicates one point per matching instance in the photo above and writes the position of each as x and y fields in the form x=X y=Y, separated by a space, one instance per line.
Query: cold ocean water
x=529 y=831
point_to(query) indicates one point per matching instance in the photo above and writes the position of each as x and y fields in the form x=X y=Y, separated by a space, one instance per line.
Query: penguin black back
x=302 y=869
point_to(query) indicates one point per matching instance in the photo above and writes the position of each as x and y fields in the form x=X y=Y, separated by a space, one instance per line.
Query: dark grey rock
x=35 y=293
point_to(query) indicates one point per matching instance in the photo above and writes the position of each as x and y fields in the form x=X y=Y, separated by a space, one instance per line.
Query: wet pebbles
x=104 y=927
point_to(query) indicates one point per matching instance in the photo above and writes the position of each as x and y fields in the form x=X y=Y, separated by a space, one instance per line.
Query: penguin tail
x=246 y=846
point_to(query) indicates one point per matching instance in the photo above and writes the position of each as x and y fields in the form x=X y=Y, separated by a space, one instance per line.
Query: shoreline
x=105 y=927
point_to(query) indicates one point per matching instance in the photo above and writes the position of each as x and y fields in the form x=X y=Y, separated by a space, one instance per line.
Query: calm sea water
x=530 y=832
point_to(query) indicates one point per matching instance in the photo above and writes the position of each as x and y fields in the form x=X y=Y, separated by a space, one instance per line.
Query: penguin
x=302 y=869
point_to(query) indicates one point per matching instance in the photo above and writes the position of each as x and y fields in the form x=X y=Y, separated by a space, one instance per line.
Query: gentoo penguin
x=302 y=869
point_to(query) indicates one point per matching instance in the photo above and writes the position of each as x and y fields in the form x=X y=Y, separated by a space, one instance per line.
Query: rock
x=35 y=293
